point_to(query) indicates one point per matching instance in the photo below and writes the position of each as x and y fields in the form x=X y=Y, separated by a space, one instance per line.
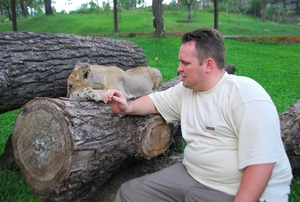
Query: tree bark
x=189 y=4
x=263 y=10
x=48 y=8
x=290 y=127
x=14 y=15
x=38 y=64
x=158 y=22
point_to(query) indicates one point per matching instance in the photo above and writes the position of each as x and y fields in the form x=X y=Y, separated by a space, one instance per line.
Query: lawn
x=140 y=21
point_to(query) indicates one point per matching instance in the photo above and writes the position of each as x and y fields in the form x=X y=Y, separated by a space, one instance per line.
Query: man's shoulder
x=247 y=87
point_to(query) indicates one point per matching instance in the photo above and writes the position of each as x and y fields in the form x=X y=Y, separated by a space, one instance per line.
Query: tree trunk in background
x=189 y=4
x=158 y=22
x=14 y=15
x=24 y=9
x=116 y=29
x=38 y=64
x=263 y=10
x=48 y=8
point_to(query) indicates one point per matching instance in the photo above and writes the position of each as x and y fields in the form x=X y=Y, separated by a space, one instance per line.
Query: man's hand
x=141 y=106
x=117 y=101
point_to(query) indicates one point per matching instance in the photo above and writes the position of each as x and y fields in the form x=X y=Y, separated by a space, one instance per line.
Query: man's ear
x=209 y=63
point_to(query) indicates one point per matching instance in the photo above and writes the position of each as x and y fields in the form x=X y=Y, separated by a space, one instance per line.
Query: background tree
x=127 y=4
x=48 y=8
x=189 y=4
x=23 y=7
x=14 y=15
x=116 y=29
x=5 y=6
x=158 y=22
x=263 y=10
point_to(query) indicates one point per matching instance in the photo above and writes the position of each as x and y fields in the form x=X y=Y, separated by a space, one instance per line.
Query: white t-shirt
x=226 y=129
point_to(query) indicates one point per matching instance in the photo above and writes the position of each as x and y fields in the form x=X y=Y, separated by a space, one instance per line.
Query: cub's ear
x=84 y=70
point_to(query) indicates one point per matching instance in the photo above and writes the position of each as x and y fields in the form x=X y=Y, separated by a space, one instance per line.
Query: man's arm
x=141 y=106
x=254 y=182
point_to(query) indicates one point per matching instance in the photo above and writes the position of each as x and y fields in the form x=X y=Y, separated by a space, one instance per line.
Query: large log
x=67 y=148
x=38 y=64
x=290 y=133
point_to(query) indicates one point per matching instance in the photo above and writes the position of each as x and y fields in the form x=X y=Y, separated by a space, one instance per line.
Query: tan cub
x=91 y=81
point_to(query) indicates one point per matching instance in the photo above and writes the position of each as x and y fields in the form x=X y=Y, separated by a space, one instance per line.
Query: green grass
x=14 y=188
x=274 y=65
x=140 y=21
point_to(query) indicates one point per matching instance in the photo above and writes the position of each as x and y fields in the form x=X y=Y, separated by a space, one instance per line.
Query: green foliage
x=255 y=8
x=3 y=19
x=88 y=8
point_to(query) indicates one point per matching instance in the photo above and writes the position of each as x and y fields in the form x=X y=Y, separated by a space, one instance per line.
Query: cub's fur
x=91 y=81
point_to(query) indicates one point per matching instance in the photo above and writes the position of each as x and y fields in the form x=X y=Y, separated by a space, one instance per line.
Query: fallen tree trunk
x=290 y=133
x=38 y=64
x=67 y=148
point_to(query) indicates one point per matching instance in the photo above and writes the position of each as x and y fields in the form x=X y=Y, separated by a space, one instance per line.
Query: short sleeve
x=168 y=102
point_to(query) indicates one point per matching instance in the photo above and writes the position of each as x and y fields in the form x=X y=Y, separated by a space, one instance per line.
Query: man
x=234 y=150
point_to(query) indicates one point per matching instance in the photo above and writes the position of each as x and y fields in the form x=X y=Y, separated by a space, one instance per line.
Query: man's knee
x=125 y=191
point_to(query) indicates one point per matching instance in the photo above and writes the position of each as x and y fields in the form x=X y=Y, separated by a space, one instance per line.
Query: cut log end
x=156 y=139
x=43 y=146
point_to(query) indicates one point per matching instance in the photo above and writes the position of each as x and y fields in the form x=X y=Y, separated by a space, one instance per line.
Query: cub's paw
x=92 y=94
x=77 y=95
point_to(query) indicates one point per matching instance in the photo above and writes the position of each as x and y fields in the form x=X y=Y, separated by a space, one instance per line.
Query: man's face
x=193 y=73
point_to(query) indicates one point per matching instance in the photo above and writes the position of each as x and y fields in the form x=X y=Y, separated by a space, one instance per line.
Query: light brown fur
x=91 y=81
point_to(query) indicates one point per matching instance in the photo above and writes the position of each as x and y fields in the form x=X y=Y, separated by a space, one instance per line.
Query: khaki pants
x=169 y=185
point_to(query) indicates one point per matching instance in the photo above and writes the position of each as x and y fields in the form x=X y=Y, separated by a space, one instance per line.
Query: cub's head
x=78 y=79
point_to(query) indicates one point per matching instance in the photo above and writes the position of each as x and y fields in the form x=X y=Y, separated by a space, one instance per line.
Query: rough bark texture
x=290 y=133
x=38 y=64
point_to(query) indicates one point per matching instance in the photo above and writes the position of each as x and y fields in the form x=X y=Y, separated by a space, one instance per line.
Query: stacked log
x=290 y=133
x=38 y=64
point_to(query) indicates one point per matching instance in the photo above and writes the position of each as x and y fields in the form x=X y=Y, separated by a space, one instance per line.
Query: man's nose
x=179 y=69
